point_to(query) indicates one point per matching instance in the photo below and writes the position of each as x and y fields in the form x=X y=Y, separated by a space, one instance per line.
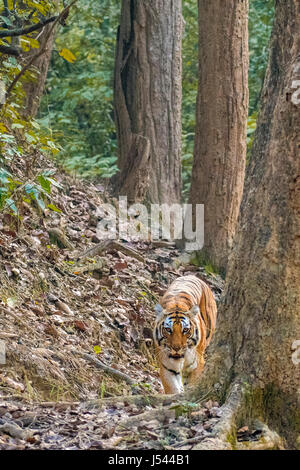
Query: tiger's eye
x=168 y=330
x=185 y=330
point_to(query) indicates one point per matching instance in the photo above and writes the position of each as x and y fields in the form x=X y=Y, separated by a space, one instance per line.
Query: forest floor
x=77 y=324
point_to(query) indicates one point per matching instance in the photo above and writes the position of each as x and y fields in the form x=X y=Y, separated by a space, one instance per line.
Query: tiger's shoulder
x=186 y=290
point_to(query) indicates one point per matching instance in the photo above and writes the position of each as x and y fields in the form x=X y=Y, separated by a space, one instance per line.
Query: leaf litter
x=59 y=309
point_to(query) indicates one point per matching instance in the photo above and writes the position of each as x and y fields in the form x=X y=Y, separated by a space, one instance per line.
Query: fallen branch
x=163 y=244
x=111 y=245
x=62 y=405
x=14 y=430
x=186 y=442
x=108 y=369
x=138 y=400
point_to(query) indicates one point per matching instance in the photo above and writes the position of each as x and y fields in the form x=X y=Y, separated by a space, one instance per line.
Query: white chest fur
x=175 y=371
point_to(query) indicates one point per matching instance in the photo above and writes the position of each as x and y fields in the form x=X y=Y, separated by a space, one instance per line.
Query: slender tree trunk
x=34 y=88
x=221 y=122
x=148 y=100
x=259 y=323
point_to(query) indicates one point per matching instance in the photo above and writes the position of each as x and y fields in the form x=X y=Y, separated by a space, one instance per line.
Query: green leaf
x=30 y=139
x=4 y=176
x=55 y=183
x=6 y=20
x=10 y=204
x=45 y=183
x=35 y=195
x=54 y=208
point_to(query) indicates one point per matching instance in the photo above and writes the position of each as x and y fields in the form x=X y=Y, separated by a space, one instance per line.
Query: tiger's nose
x=176 y=347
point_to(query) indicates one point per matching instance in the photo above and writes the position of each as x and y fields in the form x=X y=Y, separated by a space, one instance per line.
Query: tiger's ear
x=159 y=311
x=194 y=310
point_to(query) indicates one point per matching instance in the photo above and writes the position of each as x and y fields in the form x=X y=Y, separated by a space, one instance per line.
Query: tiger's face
x=177 y=331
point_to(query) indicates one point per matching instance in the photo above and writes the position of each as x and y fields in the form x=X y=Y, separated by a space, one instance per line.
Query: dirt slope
x=54 y=307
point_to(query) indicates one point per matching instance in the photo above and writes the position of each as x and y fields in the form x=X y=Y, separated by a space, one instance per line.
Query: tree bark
x=35 y=87
x=221 y=122
x=259 y=321
x=147 y=94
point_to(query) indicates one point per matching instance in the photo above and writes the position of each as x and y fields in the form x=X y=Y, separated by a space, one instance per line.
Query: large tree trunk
x=148 y=100
x=221 y=122
x=259 y=322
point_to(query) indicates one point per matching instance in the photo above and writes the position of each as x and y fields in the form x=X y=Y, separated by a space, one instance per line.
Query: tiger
x=184 y=325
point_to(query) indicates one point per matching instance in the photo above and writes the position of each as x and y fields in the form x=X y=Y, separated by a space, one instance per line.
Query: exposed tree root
x=224 y=427
x=224 y=431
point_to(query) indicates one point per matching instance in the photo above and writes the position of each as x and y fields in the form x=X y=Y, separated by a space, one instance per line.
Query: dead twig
x=186 y=442
x=28 y=29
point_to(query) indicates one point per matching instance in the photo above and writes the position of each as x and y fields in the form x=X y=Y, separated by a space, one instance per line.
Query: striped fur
x=186 y=320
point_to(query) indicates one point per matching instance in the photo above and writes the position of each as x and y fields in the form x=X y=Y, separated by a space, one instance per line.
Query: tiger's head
x=176 y=331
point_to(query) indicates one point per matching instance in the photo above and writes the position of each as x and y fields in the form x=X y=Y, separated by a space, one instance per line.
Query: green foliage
x=21 y=137
x=78 y=106
x=250 y=132
x=200 y=258
x=189 y=89
x=76 y=116
x=261 y=16
x=13 y=191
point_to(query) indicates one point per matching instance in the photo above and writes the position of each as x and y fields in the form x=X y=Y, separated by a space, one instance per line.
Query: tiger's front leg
x=193 y=367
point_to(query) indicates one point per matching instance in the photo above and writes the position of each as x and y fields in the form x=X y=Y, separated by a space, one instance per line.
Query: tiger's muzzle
x=176 y=356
